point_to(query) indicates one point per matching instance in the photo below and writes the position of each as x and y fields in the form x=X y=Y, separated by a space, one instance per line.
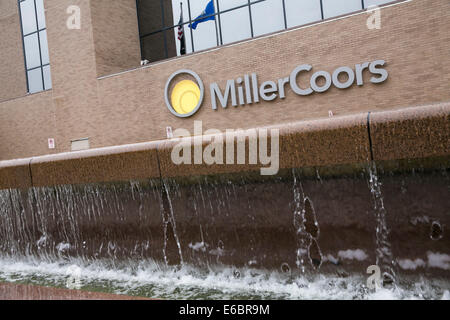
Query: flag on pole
x=206 y=15
x=181 y=33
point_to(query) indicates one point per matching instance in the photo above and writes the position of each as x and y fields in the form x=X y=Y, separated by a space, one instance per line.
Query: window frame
x=38 y=31
x=218 y=13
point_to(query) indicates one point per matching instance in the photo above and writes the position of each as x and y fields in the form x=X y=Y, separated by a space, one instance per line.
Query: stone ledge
x=410 y=133
x=15 y=174
x=120 y=163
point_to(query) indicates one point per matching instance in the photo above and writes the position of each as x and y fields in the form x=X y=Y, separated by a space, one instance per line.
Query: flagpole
x=164 y=28
x=182 y=18
x=190 y=21
x=181 y=34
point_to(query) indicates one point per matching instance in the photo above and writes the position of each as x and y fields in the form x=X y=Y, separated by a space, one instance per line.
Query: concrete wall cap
x=96 y=152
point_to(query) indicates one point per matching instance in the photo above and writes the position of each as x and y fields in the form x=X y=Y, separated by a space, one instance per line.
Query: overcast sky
x=267 y=17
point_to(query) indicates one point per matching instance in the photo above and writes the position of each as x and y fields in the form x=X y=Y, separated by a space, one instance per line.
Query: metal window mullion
x=34 y=68
x=31 y=33
x=163 y=26
x=23 y=46
x=39 y=42
x=220 y=22
x=250 y=16
x=188 y=22
x=321 y=9
x=215 y=24
x=139 y=28
x=190 y=29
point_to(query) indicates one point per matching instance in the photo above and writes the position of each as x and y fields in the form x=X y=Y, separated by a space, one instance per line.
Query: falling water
x=384 y=257
x=213 y=238
x=89 y=221
x=299 y=223
x=305 y=222
x=169 y=220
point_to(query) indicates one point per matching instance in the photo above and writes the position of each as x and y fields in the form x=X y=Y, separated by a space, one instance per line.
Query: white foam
x=151 y=279
x=63 y=246
x=198 y=246
x=438 y=260
x=331 y=258
x=42 y=241
x=407 y=264
x=357 y=254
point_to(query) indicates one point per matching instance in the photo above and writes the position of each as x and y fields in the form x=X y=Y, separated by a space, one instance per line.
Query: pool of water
x=150 y=279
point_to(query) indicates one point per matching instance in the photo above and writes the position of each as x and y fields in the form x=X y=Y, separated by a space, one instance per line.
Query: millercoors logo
x=184 y=98
x=247 y=90
x=187 y=96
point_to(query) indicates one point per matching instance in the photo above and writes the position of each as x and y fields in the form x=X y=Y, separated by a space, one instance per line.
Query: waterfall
x=307 y=228
x=90 y=221
x=234 y=227
x=169 y=220
x=384 y=257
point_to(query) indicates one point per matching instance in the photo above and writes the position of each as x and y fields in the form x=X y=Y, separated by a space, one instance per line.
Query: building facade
x=98 y=91
x=360 y=99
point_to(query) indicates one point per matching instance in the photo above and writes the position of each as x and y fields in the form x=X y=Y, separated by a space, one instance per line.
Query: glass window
x=44 y=47
x=205 y=38
x=35 y=80
x=47 y=77
x=333 y=8
x=235 y=25
x=205 y=35
x=32 y=51
x=186 y=30
x=225 y=21
x=299 y=12
x=267 y=17
x=154 y=46
x=229 y=4
x=368 y=3
x=28 y=16
x=40 y=14
x=35 y=45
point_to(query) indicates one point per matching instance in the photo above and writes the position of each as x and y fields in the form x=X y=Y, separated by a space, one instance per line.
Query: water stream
x=292 y=237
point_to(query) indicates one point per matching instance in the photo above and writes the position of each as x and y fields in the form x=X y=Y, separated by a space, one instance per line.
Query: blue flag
x=209 y=11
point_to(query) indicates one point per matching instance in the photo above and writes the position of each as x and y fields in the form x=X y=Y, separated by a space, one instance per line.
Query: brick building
x=353 y=91
x=98 y=90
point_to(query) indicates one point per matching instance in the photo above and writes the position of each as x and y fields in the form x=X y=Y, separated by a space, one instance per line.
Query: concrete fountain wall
x=407 y=134
x=376 y=182
x=327 y=198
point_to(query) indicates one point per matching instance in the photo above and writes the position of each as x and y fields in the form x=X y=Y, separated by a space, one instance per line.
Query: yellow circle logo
x=185 y=96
